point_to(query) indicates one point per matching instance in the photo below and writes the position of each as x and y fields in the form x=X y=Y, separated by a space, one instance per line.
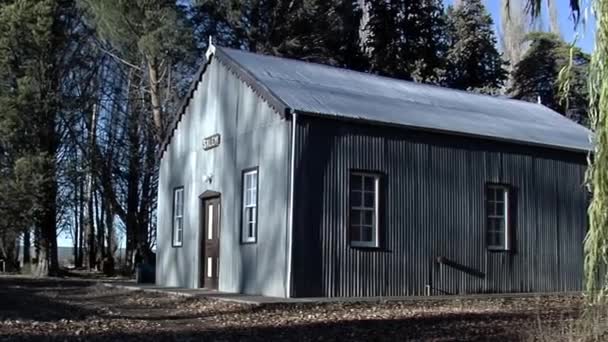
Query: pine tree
x=384 y=43
x=312 y=30
x=32 y=44
x=536 y=76
x=473 y=61
x=407 y=39
x=340 y=31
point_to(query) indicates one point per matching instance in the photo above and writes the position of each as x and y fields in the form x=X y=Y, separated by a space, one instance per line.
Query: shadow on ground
x=32 y=299
x=95 y=313
x=451 y=327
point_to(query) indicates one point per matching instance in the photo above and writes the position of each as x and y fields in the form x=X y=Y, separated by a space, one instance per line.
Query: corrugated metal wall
x=433 y=195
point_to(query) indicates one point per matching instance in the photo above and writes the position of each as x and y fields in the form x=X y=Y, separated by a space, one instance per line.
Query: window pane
x=355 y=198
x=210 y=222
x=500 y=209
x=368 y=218
x=355 y=217
x=363 y=221
x=355 y=233
x=209 y=267
x=497 y=212
x=250 y=215
x=489 y=209
x=355 y=182
x=500 y=225
x=491 y=239
x=254 y=180
x=250 y=230
x=248 y=197
x=248 y=181
x=370 y=184
x=180 y=202
x=490 y=194
x=369 y=199
x=366 y=234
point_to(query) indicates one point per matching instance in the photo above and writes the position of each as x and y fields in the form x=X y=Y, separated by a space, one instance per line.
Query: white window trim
x=245 y=238
x=375 y=229
x=506 y=246
x=177 y=192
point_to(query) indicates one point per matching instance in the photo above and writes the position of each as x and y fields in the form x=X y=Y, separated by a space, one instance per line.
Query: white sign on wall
x=211 y=142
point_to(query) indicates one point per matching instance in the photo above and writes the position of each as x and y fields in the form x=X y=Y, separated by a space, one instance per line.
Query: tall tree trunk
x=155 y=99
x=134 y=174
x=76 y=207
x=48 y=263
x=27 y=245
x=99 y=215
x=146 y=198
x=81 y=230
x=109 y=218
x=90 y=224
x=76 y=235
x=90 y=188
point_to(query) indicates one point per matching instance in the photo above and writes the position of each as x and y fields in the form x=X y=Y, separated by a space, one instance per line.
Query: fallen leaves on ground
x=58 y=310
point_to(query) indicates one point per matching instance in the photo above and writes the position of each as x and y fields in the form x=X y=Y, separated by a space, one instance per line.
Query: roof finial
x=210 y=49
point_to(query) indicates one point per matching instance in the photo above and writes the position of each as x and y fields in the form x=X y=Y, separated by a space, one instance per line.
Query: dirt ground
x=59 y=310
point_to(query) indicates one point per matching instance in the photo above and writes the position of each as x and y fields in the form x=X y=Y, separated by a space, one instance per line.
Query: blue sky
x=585 y=32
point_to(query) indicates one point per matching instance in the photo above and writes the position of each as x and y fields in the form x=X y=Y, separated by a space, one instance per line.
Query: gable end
x=236 y=69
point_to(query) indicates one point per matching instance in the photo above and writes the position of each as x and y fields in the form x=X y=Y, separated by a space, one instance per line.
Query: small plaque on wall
x=211 y=142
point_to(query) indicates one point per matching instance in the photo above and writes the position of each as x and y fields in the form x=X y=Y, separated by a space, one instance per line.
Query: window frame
x=174 y=234
x=245 y=239
x=378 y=183
x=506 y=190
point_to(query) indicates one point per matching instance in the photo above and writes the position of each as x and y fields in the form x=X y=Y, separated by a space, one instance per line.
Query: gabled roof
x=310 y=88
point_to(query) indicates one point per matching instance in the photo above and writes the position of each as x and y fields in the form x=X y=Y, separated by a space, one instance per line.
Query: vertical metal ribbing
x=435 y=207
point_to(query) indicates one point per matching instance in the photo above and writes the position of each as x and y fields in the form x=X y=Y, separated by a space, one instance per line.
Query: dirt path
x=60 y=310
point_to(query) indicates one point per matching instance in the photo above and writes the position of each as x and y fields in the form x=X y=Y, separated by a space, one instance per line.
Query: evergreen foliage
x=313 y=30
x=474 y=62
x=407 y=39
x=32 y=39
x=537 y=75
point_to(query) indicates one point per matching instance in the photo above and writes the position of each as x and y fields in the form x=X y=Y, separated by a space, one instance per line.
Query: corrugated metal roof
x=328 y=91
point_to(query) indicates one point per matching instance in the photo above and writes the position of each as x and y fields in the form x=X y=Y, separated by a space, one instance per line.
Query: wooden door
x=211 y=243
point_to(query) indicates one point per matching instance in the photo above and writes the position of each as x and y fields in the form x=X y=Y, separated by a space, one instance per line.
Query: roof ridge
x=382 y=77
x=289 y=84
